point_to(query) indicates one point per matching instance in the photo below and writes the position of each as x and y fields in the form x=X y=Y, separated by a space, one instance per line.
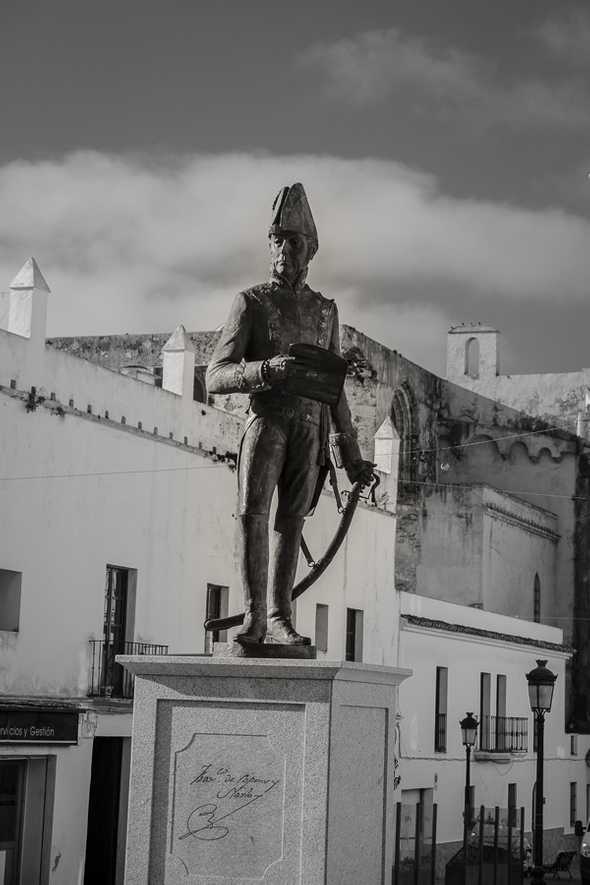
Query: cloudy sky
x=446 y=158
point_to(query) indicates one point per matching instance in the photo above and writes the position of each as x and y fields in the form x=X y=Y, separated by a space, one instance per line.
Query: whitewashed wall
x=466 y=656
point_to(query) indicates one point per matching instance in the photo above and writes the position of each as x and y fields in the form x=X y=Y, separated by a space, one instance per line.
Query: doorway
x=26 y=795
x=103 y=812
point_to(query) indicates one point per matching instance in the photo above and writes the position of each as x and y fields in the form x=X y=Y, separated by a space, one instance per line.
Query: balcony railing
x=503 y=734
x=107 y=678
x=440 y=733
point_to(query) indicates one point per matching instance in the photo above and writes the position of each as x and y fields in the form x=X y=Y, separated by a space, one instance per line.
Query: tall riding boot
x=253 y=565
x=287 y=538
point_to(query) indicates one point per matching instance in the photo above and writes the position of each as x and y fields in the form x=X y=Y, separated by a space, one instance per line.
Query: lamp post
x=541 y=682
x=468 y=735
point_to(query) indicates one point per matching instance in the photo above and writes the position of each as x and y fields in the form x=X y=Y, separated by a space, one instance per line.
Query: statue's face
x=290 y=254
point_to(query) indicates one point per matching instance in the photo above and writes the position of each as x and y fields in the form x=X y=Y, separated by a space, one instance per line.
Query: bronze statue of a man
x=285 y=441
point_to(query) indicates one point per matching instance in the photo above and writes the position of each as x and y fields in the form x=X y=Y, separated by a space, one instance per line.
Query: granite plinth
x=255 y=770
x=263 y=650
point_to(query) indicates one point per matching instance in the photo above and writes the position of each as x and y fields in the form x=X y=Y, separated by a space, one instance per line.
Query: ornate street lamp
x=468 y=736
x=541 y=682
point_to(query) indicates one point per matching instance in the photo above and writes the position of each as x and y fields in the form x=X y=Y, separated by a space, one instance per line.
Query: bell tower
x=472 y=353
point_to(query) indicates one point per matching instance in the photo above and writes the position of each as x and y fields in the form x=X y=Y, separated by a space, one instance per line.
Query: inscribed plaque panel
x=234 y=795
x=228 y=805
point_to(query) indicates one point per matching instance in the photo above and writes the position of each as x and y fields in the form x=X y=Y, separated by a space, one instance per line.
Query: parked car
x=585 y=856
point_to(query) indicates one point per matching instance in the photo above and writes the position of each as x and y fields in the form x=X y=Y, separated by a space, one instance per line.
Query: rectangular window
x=115 y=606
x=587 y=801
x=573 y=803
x=321 y=627
x=573 y=744
x=114 y=631
x=512 y=804
x=10 y=584
x=502 y=738
x=217 y=607
x=485 y=730
x=440 y=710
x=354 y=634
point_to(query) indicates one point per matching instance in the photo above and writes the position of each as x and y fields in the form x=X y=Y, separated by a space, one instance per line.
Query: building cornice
x=56 y=407
x=512 y=518
x=461 y=630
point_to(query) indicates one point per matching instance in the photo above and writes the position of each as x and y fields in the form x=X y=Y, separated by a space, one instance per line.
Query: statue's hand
x=278 y=368
x=360 y=470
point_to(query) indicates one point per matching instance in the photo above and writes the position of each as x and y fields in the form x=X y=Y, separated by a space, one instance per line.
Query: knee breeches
x=278 y=453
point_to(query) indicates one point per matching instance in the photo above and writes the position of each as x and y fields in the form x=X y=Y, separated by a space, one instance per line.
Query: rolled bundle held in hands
x=318 y=373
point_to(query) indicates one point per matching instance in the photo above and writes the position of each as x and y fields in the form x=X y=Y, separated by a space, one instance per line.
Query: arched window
x=402 y=415
x=537 y=599
x=472 y=358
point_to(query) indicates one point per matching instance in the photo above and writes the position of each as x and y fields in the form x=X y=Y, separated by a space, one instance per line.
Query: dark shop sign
x=38 y=727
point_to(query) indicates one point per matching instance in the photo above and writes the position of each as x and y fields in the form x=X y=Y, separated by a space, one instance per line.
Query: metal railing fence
x=107 y=678
x=503 y=734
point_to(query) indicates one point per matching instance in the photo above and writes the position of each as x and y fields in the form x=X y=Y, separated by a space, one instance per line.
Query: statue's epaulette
x=257 y=292
x=319 y=296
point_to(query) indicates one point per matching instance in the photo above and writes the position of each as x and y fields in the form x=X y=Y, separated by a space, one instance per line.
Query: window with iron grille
x=500 y=735
x=321 y=627
x=217 y=607
x=440 y=710
x=354 y=634
x=573 y=803
x=512 y=804
x=10 y=586
x=485 y=723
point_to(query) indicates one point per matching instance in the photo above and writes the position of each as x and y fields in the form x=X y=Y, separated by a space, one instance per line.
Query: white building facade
x=117 y=536
x=466 y=660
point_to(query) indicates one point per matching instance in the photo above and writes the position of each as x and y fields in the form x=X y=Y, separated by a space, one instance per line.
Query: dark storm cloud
x=567 y=37
x=375 y=66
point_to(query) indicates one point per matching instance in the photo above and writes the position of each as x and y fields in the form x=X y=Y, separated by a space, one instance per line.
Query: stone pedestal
x=271 y=771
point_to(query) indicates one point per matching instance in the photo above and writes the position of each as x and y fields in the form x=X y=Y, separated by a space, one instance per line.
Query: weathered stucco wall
x=581 y=613
x=479 y=547
x=519 y=548
x=450 y=565
x=556 y=397
x=456 y=437
x=115 y=351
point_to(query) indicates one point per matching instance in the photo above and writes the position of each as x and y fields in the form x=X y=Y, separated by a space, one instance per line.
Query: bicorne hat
x=291 y=212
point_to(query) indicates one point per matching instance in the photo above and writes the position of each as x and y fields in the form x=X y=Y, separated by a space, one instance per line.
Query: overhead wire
x=483 y=442
x=110 y=472
x=219 y=466
x=453 y=485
